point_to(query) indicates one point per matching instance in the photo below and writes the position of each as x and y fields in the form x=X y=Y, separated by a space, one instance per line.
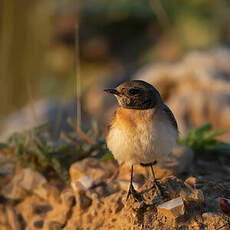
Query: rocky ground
x=197 y=193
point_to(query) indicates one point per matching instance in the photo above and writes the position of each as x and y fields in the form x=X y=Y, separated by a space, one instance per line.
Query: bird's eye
x=133 y=91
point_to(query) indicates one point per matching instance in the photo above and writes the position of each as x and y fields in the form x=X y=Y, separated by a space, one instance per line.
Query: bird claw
x=137 y=196
x=157 y=186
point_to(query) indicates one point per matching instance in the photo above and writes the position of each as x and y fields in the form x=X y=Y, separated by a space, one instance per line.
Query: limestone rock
x=68 y=197
x=38 y=224
x=195 y=195
x=191 y=181
x=124 y=185
x=179 y=160
x=172 y=209
x=32 y=209
x=31 y=179
x=93 y=168
x=215 y=221
x=3 y=217
x=138 y=176
x=6 y=169
x=83 y=183
x=12 y=218
x=175 y=163
x=24 y=181
x=83 y=201
x=54 y=225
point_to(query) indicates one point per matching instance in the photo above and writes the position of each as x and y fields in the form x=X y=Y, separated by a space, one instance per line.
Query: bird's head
x=136 y=94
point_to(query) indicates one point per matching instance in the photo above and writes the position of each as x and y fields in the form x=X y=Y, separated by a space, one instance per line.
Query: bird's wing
x=170 y=116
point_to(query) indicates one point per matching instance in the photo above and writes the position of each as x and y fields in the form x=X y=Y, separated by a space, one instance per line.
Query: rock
x=172 y=209
x=124 y=185
x=38 y=223
x=42 y=209
x=24 y=181
x=175 y=163
x=68 y=197
x=4 y=227
x=12 y=218
x=215 y=221
x=12 y=191
x=32 y=209
x=83 y=201
x=54 y=225
x=179 y=160
x=195 y=195
x=139 y=173
x=31 y=179
x=7 y=168
x=83 y=183
x=90 y=169
x=3 y=217
x=191 y=181
x=42 y=191
x=103 y=190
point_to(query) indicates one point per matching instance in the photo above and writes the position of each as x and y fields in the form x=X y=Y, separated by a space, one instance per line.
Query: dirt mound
x=196 y=199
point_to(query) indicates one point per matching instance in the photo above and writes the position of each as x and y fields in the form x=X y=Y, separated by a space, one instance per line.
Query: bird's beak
x=112 y=91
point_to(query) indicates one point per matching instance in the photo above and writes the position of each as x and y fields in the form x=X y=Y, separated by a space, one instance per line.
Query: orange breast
x=129 y=118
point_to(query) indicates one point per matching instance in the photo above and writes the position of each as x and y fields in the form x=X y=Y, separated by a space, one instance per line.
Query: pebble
x=172 y=209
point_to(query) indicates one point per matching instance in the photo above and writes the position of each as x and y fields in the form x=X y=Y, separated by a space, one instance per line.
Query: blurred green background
x=37 y=41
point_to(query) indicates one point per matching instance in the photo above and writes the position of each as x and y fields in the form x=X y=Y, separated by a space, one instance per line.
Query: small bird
x=143 y=129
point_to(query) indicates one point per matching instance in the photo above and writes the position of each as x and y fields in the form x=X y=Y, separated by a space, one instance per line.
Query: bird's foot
x=157 y=187
x=137 y=196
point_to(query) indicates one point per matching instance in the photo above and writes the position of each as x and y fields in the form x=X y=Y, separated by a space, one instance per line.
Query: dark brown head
x=136 y=94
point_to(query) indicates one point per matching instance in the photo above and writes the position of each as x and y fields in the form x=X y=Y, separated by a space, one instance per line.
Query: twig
x=78 y=72
x=80 y=133
x=83 y=136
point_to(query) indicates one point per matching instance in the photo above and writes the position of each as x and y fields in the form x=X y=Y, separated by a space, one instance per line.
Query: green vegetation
x=204 y=140
x=37 y=150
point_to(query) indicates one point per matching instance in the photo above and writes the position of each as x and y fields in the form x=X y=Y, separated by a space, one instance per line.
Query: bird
x=143 y=130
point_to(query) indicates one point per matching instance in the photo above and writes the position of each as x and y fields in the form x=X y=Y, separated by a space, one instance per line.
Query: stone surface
x=172 y=209
x=93 y=168
x=38 y=224
x=33 y=209
x=68 y=197
x=196 y=195
x=179 y=160
x=24 y=181
x=12 y=218
x=176 y=162
x=191 y=181
x=83 y=201
x=83 y=183
x=104 y=205
x=3 y=217
x=124 y=185
x=215 y=221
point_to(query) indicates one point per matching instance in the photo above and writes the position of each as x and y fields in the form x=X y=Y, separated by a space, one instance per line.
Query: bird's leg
x=155 y=180
x=132 y=190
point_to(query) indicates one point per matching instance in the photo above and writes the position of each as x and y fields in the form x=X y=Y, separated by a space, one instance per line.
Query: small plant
x=37 y=150
x=204 y=140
